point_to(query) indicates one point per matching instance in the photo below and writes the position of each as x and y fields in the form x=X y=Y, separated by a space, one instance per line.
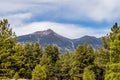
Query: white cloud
x=18 y=11
x=67 y=30
x=97 y=10
x=18 y=19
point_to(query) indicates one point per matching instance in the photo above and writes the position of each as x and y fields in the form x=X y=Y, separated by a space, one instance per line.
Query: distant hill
x=50 y=37
x=93 y=41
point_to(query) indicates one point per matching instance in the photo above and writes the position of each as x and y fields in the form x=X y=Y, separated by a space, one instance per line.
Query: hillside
x=65 y=44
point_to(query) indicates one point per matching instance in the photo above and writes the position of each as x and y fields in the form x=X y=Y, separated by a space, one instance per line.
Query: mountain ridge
x=65 y=44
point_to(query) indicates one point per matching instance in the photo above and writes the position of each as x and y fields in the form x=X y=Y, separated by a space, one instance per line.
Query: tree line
x=31 y=61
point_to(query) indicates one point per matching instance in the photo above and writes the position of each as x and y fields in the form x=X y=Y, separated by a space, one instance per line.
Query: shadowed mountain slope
x=50 y=37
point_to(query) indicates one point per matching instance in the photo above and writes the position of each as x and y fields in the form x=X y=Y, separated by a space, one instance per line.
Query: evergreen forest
x=31 y=61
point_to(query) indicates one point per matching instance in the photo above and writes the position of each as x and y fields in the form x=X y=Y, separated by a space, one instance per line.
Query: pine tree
x=65 y=65
x=81 y=58
x=7 y=41
x=52 y=54
x=28 y=54
x=100 y=62
x=113 y=70
x=37 y=54
x=88 y=74
x=115 y=49
x=19 y=59
x=39 y=73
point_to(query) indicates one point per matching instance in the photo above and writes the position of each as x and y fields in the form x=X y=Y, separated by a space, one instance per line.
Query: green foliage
x=16 y=76
x=115 y=49
x=113 y=76
x=49 y=59
x=88 y=74
x=7 y=41
x=105 y=42
x=100 y=62
x=39 y=73
x=53 y=52
x=37 y=53
x=19 y=59
x=64 y=65
x=113 y=69
x=81 y=58
x=25 y=58
x=113 y=72
x=114 y=31
x=101 y=58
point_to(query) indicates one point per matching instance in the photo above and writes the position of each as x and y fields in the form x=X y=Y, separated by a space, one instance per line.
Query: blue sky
x=70 y=18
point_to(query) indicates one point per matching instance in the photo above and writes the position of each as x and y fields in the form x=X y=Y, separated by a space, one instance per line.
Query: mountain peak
x=49 y=30
x=50 y=37
x=45 y=32
x=86 y=36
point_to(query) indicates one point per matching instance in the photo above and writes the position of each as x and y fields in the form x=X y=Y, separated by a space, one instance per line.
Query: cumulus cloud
x=17 y=20
x=97 y=10
x=20 y=11
x=67 y=30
